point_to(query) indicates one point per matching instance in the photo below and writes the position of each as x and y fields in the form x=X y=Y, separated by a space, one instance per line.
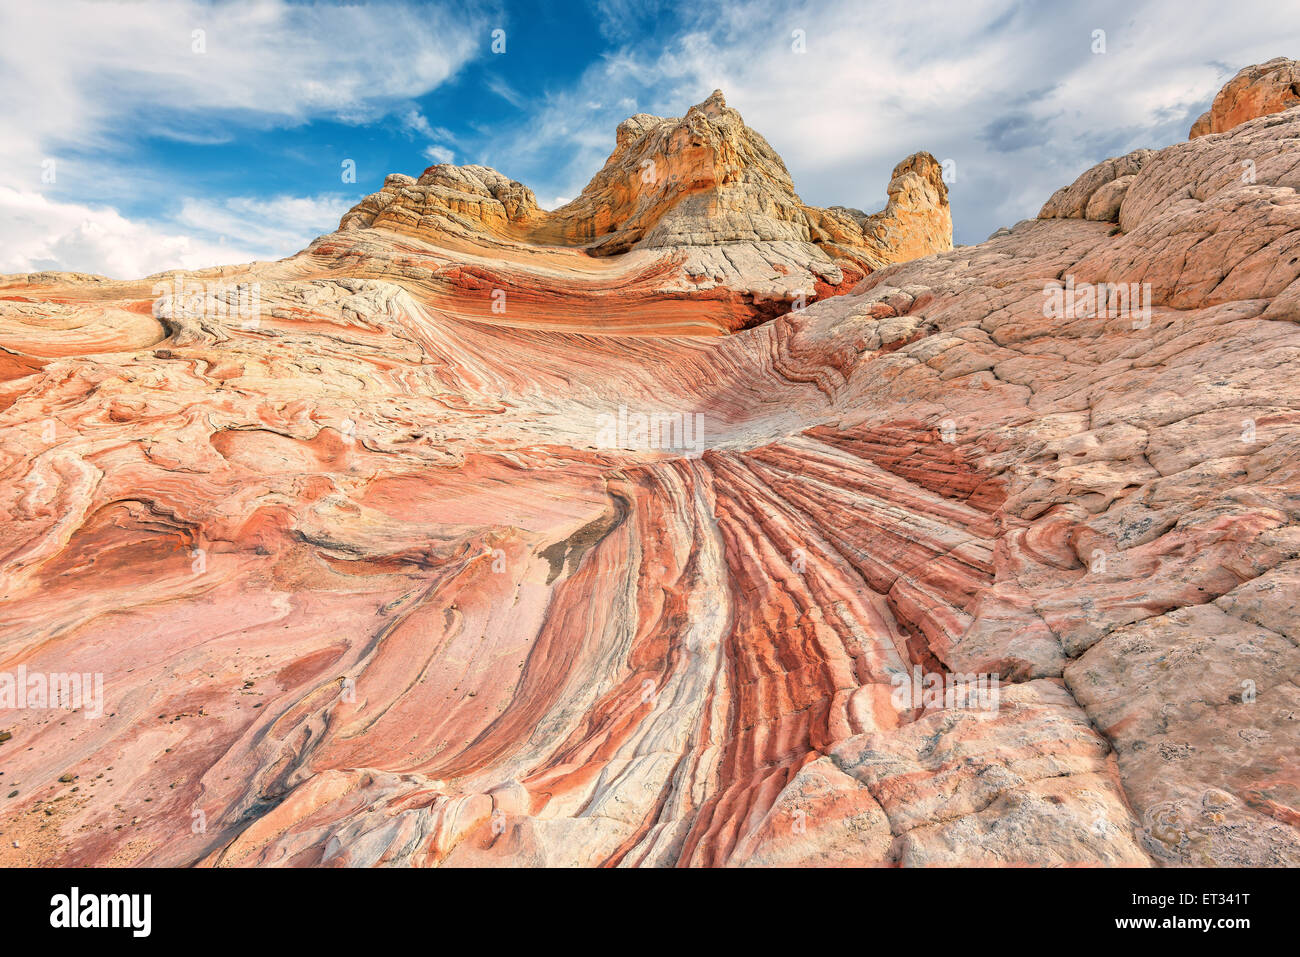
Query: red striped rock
x=649 y=569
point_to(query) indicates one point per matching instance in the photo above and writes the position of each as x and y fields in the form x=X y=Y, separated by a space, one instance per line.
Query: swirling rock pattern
x=638 y=571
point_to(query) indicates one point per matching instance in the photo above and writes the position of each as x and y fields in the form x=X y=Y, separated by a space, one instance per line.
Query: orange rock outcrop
x=1260 y=90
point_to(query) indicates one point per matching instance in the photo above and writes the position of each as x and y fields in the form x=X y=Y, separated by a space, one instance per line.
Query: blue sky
x=175 y=148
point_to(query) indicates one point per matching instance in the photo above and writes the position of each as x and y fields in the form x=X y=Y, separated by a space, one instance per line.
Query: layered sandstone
x=697 y=208
x=384 y=577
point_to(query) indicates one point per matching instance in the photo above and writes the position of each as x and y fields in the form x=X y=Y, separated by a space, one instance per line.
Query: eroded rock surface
x=1259 y=90
x=693 y=221
x=382 y=576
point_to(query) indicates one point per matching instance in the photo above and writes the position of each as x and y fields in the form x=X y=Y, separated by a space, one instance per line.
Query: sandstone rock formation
x=1259 y=90
x=683 y=207
x=382 y=576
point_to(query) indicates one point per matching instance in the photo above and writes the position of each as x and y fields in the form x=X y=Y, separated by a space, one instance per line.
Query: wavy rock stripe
x=382 y=578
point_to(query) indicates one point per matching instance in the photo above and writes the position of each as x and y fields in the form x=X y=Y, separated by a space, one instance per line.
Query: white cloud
x=507 y=92
x=417 y=124
x=1010 y=92
x=439 y=154
x=273 y=227
x=270 y=62
x=37 y=235
x=75 y=75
